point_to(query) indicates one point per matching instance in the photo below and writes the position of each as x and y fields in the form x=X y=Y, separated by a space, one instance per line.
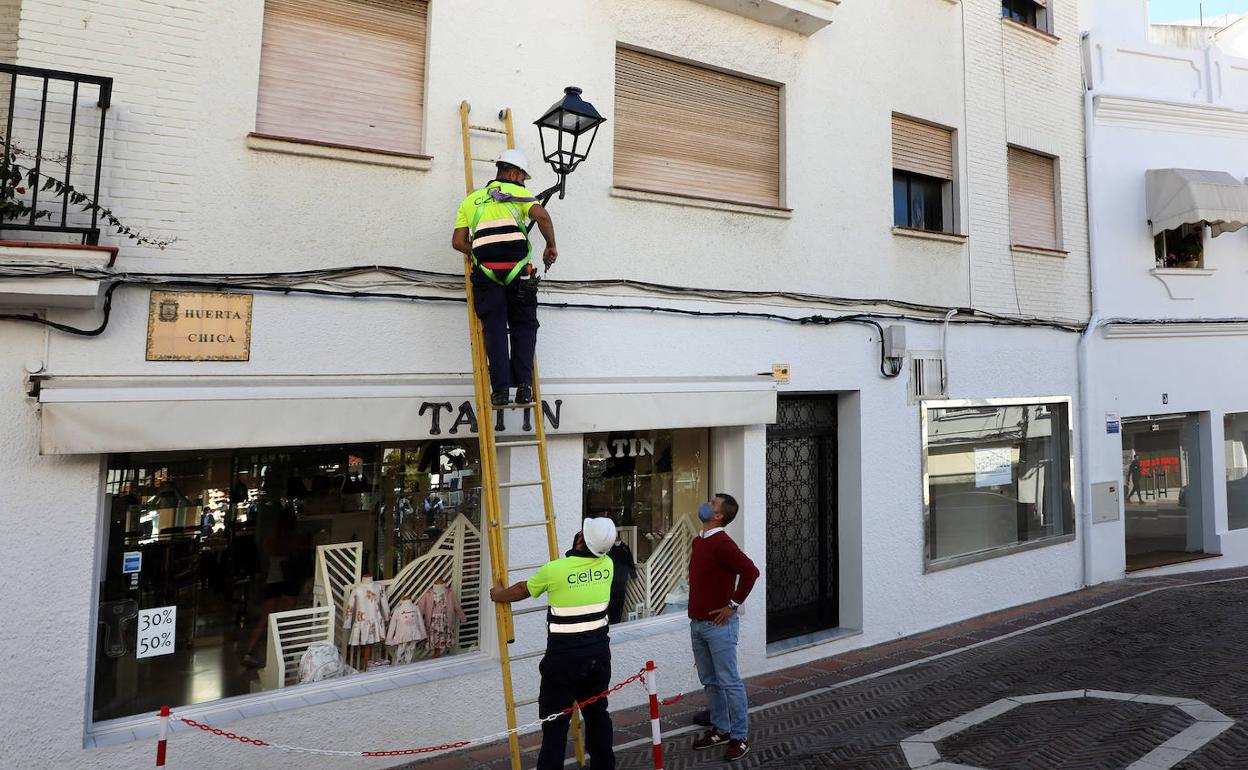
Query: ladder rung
x=529 y=610
x=513 y=484
x=528 y=655
x=521 y=525
x=526 y=702
x=510 y=444
x=487 y=129
x=519 y=567
x=485 y=160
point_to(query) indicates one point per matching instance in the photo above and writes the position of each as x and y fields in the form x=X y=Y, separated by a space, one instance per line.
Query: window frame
x=945 y=194
x=1159 y=247
x=950 y=197
x=1071 y=517
x=1041 y=16
x=1055 y=165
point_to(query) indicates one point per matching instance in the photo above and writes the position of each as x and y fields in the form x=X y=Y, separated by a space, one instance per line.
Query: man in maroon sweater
x=720 y=577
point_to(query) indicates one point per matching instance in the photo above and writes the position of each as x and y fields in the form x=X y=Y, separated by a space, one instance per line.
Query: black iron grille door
x=802 y=586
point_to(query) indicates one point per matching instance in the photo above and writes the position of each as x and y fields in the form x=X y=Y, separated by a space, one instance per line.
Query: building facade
x=1166 y=140
x=830 y=257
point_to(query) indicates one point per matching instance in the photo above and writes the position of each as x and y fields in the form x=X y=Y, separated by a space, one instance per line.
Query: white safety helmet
x=517 y=159
x=599 y=534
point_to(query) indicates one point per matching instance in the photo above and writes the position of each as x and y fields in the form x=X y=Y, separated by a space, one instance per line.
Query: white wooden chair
x=290 y=633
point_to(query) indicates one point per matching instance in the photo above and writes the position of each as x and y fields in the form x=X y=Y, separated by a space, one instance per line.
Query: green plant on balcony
x=16 y=178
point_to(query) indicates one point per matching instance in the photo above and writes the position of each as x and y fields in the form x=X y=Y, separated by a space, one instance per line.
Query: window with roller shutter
x=686 y=130
x=1033 y=200
x=348 y=73
x=922 y=175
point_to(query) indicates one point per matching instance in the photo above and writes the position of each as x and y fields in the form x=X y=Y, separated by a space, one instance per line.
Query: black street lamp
x=567 y=121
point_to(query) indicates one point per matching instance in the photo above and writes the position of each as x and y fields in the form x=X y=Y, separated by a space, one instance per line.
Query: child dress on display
x=367 y=612
x=442 y=614
x=407 y=629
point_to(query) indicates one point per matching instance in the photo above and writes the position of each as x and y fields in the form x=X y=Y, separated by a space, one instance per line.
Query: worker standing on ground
x=491 y=229
x=577 y=664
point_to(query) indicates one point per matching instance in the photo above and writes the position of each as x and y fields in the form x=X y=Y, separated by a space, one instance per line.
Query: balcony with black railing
x=54 y=125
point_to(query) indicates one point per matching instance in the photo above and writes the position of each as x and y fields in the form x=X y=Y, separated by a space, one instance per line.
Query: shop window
x=1235 y=427
x=1182 y=247
x=233 y=572
x=651 y=484
x=998 y=478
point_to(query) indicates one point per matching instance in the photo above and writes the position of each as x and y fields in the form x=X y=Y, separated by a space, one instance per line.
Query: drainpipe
x=1086 y=433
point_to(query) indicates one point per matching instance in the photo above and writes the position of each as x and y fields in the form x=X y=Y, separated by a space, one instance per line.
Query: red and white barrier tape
x=166 y=715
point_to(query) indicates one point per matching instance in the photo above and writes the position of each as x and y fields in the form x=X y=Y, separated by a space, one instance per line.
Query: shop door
x=1161 y=461
x=802 y=585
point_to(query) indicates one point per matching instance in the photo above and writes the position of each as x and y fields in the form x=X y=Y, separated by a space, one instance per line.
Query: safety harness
x=507 y=199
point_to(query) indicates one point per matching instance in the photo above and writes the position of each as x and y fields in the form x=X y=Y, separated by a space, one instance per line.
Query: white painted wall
x=1157 y=107
x=184 y=102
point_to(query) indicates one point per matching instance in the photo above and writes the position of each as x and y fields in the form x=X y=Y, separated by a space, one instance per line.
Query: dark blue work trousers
x=504 y=316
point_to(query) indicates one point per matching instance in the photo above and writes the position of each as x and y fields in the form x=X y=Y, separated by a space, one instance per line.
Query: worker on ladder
x=577 y=664
x=491 y=228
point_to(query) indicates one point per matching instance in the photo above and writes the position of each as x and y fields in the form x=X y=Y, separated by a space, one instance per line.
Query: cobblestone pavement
x=1180 y=636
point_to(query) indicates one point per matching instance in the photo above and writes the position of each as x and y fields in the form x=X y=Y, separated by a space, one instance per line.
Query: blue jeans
x=715 y=652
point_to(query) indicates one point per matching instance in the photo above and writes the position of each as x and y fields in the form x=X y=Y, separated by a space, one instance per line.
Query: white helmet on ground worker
x=516 y=158
x=599 y=534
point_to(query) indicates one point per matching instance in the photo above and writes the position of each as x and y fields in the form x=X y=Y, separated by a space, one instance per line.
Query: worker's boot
x=524 y=394
x=499 y=398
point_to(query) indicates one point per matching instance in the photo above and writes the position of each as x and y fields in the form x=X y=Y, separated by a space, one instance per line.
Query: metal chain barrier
x=245 y=740
x=663 y=701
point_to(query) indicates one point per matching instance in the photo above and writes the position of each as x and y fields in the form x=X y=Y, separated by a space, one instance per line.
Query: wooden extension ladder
x=495 y=522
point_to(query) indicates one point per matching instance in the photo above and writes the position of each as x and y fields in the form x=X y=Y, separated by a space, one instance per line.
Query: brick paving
x=1186 y=640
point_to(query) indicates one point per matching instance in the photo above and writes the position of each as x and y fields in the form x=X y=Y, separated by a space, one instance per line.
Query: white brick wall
x=1026 y=91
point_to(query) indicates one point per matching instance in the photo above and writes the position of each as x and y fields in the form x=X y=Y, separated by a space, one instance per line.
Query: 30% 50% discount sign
x=156 y=628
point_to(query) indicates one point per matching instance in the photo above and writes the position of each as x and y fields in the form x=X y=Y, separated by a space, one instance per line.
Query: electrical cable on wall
x=295 y=282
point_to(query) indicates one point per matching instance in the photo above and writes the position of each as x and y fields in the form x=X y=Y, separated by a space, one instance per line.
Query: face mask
x=706 y=512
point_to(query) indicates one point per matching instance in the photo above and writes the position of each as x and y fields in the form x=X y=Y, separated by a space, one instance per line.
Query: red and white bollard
x=164 y=736
x=656 y=732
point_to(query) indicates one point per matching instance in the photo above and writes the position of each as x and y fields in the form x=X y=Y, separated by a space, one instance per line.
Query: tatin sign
x=198 y=326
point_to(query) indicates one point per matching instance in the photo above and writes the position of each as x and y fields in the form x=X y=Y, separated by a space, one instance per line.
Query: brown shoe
x=736 y=749
x=710 y=740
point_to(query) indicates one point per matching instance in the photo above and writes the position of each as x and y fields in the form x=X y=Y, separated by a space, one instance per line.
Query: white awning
x=94 y=415
x=1181 y=196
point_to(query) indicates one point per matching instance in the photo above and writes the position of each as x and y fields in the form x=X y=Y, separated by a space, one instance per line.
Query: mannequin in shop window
x=285 y=564
x=406 y=631
x=442 y=614
x=366 y=614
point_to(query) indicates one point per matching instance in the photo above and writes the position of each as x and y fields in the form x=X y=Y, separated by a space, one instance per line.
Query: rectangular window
x=344 y=72
x=651 y=483
x=686 y=130
x=1235 y=441
x=1033 y=13
x=208 y=553
x=1033 y=200
x=998 y=477
x=1182 y=247
x=922 y=175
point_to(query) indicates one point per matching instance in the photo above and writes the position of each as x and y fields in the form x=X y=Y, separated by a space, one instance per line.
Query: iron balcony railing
x=50 y=147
